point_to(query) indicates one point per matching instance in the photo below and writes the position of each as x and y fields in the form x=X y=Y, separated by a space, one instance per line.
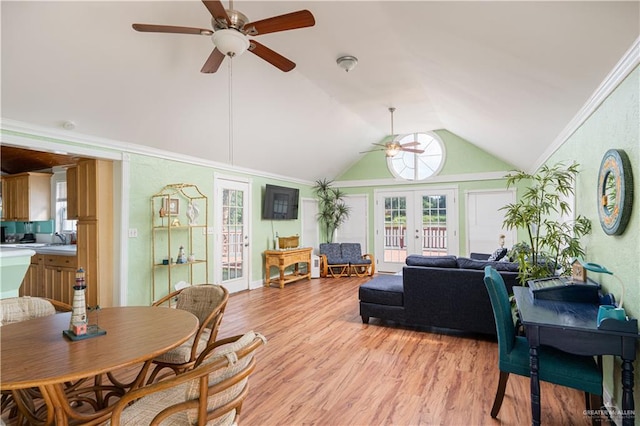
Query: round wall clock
x=615 y=192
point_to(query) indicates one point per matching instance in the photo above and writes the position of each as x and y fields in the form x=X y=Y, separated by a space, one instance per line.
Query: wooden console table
x=283 y=258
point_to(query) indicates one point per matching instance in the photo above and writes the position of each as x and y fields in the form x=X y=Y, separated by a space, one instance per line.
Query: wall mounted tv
x=280 y=203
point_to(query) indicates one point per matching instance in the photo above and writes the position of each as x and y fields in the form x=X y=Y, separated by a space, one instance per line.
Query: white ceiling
x=506 y=76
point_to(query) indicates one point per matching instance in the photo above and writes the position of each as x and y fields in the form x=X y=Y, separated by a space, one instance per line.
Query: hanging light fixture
x=392 y=149
x=230 y=42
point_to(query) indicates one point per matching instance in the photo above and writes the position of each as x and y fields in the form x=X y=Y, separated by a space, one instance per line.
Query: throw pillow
x=498 y=254
x=434 y=261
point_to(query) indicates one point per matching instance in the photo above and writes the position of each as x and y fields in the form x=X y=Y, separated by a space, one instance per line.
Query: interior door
x=356 y=228
x=414 y=222
x=232 y=237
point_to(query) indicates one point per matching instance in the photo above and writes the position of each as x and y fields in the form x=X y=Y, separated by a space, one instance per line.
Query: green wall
x=150 y=174
x=466 y=168
x=614 y=125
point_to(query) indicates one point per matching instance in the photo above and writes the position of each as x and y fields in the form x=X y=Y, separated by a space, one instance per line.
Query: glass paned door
x=395 y=229
x=232 y=234
x=414 y=222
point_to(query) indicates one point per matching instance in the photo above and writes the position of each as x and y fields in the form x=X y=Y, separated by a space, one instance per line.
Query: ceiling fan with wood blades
x=231 y=31
x=393 y=148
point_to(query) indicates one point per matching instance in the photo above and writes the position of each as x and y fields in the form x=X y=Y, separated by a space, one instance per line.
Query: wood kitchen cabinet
x=33 y=282
x=51 y=276
x=26 y=197
x=72 y=193
x=95 y=229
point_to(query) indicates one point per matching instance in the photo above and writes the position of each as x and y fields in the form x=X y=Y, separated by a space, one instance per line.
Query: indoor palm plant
x=332 y=210
x=552 y=243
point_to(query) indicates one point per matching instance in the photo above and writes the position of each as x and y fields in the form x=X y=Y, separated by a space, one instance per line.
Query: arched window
x=415 y=166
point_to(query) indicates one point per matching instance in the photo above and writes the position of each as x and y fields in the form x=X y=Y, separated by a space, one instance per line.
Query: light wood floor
x=322 y=366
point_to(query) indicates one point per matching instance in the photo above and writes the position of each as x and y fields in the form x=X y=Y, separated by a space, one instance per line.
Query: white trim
x=122 y=264
x=220 y=182
x=25 y=130
x=466 y=177
x=629 y=61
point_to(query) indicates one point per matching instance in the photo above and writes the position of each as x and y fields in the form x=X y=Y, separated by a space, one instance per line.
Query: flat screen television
x=280 y=203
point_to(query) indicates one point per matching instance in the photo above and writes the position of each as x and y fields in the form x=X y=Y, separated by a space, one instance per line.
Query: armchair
x=331 y=261
x=205 y=301
x=211 y=393
x=343 y=259
x=359 y=264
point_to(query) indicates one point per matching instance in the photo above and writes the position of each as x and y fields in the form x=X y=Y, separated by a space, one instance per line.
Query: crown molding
x=466 y=177
x=50 y=139
x=629 y=61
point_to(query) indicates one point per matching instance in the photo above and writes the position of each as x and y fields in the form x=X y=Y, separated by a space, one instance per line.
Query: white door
x=414 y=222
x=356 y=228
x=310 y=229
x=484 y=220
x=232 y=235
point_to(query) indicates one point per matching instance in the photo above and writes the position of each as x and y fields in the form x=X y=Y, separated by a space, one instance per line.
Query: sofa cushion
x=383 y=290
x=498 y=254
x=466 y=263
x=435 y=261
x=333 y=253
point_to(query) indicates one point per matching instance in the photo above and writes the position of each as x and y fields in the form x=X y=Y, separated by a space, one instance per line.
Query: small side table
x=283 y=258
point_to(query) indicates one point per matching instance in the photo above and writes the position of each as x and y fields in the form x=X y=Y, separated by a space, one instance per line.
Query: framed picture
x=170 y=208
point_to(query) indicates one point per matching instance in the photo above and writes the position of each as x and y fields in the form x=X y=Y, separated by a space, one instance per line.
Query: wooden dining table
x=37 y=358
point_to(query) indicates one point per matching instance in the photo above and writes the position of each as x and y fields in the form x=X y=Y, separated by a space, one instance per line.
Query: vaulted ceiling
x=506 y=76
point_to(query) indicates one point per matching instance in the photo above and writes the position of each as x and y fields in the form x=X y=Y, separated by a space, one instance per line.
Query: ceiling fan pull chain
x=231 y=111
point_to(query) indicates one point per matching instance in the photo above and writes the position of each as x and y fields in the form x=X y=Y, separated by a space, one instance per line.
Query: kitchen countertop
x=43 y=248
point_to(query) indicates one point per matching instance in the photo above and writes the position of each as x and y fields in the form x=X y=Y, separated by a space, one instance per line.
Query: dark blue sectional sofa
x=445 y=292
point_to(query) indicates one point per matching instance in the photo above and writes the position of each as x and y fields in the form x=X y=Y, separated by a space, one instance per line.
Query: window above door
x=418 y=166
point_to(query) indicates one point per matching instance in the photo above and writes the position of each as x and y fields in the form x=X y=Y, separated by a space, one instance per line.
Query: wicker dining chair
x=18 y=309
x=211 y=393
x=207 y=302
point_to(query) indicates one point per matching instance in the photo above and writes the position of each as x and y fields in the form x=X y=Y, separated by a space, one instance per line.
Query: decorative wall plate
x=615 y=192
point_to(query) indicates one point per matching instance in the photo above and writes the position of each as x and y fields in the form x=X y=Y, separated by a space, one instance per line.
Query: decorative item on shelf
x=181 y=256
x=191 y=258
x=192 y=213
x=288 y=242
x=170 y=207
x=175 y=222
x=578 y=272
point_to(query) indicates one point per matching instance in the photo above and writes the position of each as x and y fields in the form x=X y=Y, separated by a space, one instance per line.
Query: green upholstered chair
x=558 y=367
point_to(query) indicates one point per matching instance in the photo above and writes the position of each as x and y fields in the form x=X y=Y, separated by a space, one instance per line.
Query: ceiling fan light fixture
x=392 y=149
x=230 y=42
x=347 y=63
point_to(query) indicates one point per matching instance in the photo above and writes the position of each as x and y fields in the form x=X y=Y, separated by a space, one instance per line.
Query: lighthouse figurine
x=78 y=323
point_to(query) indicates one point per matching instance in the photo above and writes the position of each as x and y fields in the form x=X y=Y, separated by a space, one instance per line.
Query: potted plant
x=333 y=211
x=552 y=243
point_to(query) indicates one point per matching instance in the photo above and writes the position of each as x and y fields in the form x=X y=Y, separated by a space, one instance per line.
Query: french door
x=232 y=236
x=414 y=222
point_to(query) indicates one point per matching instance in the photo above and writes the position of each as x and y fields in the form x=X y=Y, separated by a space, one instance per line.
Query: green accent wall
x=461 y=157
x=614 y=125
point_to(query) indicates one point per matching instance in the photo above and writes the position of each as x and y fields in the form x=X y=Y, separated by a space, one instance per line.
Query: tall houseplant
x=552 y=243
x=333 y=211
